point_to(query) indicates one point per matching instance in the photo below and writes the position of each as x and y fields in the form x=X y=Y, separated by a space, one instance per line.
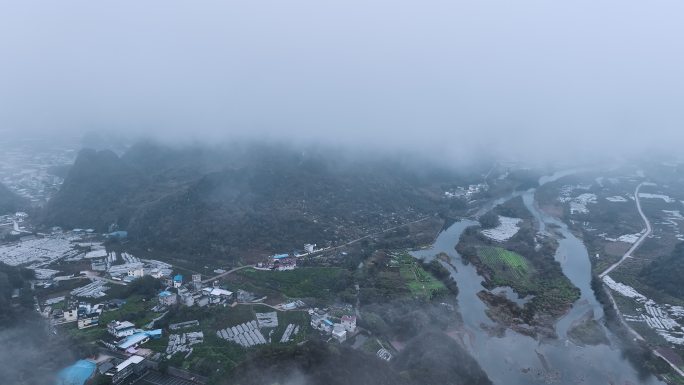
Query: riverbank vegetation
x=526 y=263
x=665 y=273
x=587 y=332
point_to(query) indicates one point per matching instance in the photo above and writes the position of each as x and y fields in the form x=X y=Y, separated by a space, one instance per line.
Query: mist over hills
x=244 y=198
x=9 y=201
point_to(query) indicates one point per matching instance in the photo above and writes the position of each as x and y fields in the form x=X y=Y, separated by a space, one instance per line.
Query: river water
x=515 y=359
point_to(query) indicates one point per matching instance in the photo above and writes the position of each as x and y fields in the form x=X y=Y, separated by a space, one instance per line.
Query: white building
x=186 y=298
x=309 y=248
x=126 y=368
x=217 y=293
x=121 y=329
x=349 y=323
x=321 y=323
x=70 y=315
x=339 y=333
x=197 y=282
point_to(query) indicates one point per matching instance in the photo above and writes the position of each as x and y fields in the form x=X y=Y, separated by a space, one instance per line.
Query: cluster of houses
x=128 y=336
x=121 y=370
x=320 y=320
x=193 y=293
x=288 y=261
x=467 y=193
x=84 y=314
x=278 y=262
x=128 y=339
x=126 y=267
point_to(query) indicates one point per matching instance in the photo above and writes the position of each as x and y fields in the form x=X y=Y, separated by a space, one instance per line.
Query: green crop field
x=420 y=282
x=508 y=268
x=512 y=269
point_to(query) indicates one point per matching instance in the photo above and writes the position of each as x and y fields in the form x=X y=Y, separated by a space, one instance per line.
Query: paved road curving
x=616 y=264
x=639 y=241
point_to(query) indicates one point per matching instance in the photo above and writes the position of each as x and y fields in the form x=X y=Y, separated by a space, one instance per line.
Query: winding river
x=515 y=359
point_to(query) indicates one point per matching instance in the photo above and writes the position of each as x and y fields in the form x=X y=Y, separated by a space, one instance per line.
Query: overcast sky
x=451 y=76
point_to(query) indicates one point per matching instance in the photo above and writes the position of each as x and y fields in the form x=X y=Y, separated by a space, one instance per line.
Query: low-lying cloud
x=525 y=78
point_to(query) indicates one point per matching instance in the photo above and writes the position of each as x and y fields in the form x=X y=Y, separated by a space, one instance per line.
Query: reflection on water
x=515 y=359
x=511 y=295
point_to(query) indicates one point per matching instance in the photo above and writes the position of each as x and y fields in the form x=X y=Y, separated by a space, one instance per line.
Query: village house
x=349 y=323
x=339 y=333
x=167 y=298
x=177 y=281
x=121 y=329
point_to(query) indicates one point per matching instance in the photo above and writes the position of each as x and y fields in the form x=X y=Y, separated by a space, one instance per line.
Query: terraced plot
x=509 y=268
x=420 y=282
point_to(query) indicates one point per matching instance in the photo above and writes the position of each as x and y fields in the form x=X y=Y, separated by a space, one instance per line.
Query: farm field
x=420 y=282
x=217 y=357
x=508 y=268
x=511 y=269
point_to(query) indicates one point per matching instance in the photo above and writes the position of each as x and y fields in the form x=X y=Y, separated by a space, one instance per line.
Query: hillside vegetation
x=235 y=201
x=665 y=273
x=9 y=201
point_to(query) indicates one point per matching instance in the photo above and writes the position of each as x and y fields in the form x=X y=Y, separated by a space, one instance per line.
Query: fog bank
x=528 y=79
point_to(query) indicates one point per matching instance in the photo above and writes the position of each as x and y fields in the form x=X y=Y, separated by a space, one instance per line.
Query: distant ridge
x=234 y=200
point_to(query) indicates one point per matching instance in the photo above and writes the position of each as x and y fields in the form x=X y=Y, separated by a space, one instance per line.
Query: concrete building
x=217 y=295
x=186 y=297
x=177 y=281
x=197 y=282
x=137 y=272
x=349 y=323
x=321 y=323
x=167 y=298
x=284 y=264
x=121 y=329
x=89 y=320
x=71 y=315
x=132 y=365
x=339 y=333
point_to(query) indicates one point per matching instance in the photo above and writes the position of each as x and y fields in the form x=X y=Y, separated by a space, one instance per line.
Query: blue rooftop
x=76 y=374
x=280 y=256
x=329 y=322
x=165 y=293
x=178 y=278
x=118 y=234
x=136 y=338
